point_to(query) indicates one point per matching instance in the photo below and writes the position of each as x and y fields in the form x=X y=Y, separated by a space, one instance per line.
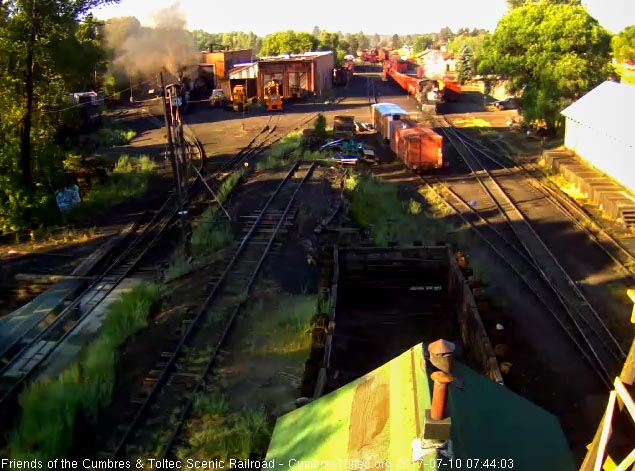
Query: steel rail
x=193 y=325
x=571 y=310
x=561 y=201
x=621 y=355
x=202 y=382
x=161 y=220
x=602 y=374
x=162 y=224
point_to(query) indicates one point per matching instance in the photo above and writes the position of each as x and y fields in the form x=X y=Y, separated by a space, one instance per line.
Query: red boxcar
x=419 y=148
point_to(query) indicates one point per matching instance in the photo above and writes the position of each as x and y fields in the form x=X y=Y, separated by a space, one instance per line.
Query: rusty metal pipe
x=439 y=394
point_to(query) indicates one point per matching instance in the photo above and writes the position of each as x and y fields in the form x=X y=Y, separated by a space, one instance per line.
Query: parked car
x=506 y=104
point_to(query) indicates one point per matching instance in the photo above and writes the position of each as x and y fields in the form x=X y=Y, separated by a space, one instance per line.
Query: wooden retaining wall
x=476 y=343
x=475 y=340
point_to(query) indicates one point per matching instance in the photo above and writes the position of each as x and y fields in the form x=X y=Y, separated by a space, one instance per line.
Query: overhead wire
x=105 y=97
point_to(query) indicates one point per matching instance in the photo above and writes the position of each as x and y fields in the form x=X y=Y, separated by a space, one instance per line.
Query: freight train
x=430 y=93
x=418 y=147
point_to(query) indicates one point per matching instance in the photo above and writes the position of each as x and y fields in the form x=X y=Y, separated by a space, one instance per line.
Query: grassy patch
x=129 y=179
x=284 y=327
x=114 y=133
x=230 y=183
x=51 y=407
x=211 y=233
x=376 y=205
x=288 y=150
x=215 y=432
x=180 y=264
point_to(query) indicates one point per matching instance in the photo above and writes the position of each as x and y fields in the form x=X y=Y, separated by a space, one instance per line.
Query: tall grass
x=51 y=407
x=211 y=233
x=128 y=179
x=287 y=150
x=114 y=134
x=215 y=432
x=230 y=183
x=376 y=205
x=284 y=327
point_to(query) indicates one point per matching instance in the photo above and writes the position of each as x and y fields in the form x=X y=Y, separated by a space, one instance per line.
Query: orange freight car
x=419 y=148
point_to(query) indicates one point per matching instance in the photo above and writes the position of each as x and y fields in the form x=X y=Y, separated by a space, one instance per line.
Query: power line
x=105 y=97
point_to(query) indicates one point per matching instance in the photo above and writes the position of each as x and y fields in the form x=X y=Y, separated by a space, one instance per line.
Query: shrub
x=50 y=407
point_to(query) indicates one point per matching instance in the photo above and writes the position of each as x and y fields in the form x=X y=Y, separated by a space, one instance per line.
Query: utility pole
x=171 y=153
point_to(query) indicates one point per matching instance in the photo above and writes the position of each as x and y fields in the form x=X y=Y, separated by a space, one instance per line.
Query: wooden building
x=300 y=74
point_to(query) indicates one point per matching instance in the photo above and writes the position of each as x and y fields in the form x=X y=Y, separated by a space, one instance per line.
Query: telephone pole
x=171 y=153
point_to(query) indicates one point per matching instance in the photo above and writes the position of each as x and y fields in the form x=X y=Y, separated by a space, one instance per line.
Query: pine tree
x=464 y=64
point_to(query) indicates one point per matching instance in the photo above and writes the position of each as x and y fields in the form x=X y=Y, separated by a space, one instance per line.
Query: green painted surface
x=375 y=419
x=372 y=420
x=491 y=422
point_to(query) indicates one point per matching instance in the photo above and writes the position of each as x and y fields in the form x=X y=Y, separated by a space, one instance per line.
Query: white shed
x=600 y=129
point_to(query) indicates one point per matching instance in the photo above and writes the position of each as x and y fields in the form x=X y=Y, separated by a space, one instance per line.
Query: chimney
x=439 y=394
x=437 y=423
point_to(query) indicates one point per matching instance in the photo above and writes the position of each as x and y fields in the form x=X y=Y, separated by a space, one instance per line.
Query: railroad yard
x=231 y=342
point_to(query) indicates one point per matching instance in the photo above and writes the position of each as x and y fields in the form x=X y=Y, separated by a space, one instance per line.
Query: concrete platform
x=48 y=303
x=84 y=333
x=612 y=198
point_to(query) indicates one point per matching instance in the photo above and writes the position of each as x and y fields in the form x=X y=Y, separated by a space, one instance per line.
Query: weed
x=211 y=233
x=72 y=163
x=229 y=184
x=50 y=407
x=287 y=150
x=376 y=205
x=285 y=326
x=180 y=265
x=129 y=179
x=217 y=433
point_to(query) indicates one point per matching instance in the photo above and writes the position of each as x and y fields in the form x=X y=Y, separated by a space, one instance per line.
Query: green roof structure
x=377 y=421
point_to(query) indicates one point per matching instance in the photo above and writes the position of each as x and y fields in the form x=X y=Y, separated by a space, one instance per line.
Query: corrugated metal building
x=224 y=61
x=600 y=129
x=245 y=75
x=299 y=74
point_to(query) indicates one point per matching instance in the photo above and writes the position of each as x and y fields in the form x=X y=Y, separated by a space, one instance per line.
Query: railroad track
x=610 y=245
x=172 y=386
x=527 y=254
x=22 y=358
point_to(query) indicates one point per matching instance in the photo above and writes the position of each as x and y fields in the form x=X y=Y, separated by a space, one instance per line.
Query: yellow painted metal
x=355 y=425
x=631 y=294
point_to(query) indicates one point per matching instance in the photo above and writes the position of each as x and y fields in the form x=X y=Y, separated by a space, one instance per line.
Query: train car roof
x=389 y=108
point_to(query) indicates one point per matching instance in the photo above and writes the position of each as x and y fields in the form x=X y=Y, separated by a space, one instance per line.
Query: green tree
x=316 y=31
x=319 y=127
x=474 y=43
x=47 y=52
x=376 y=39
x=511 y=4
x=328 y=41
x=362 y=41
x=288 y=42
x=396 y=41
x=422 y=42
x=549 y=51
x=464 y=65
x=623 y=44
